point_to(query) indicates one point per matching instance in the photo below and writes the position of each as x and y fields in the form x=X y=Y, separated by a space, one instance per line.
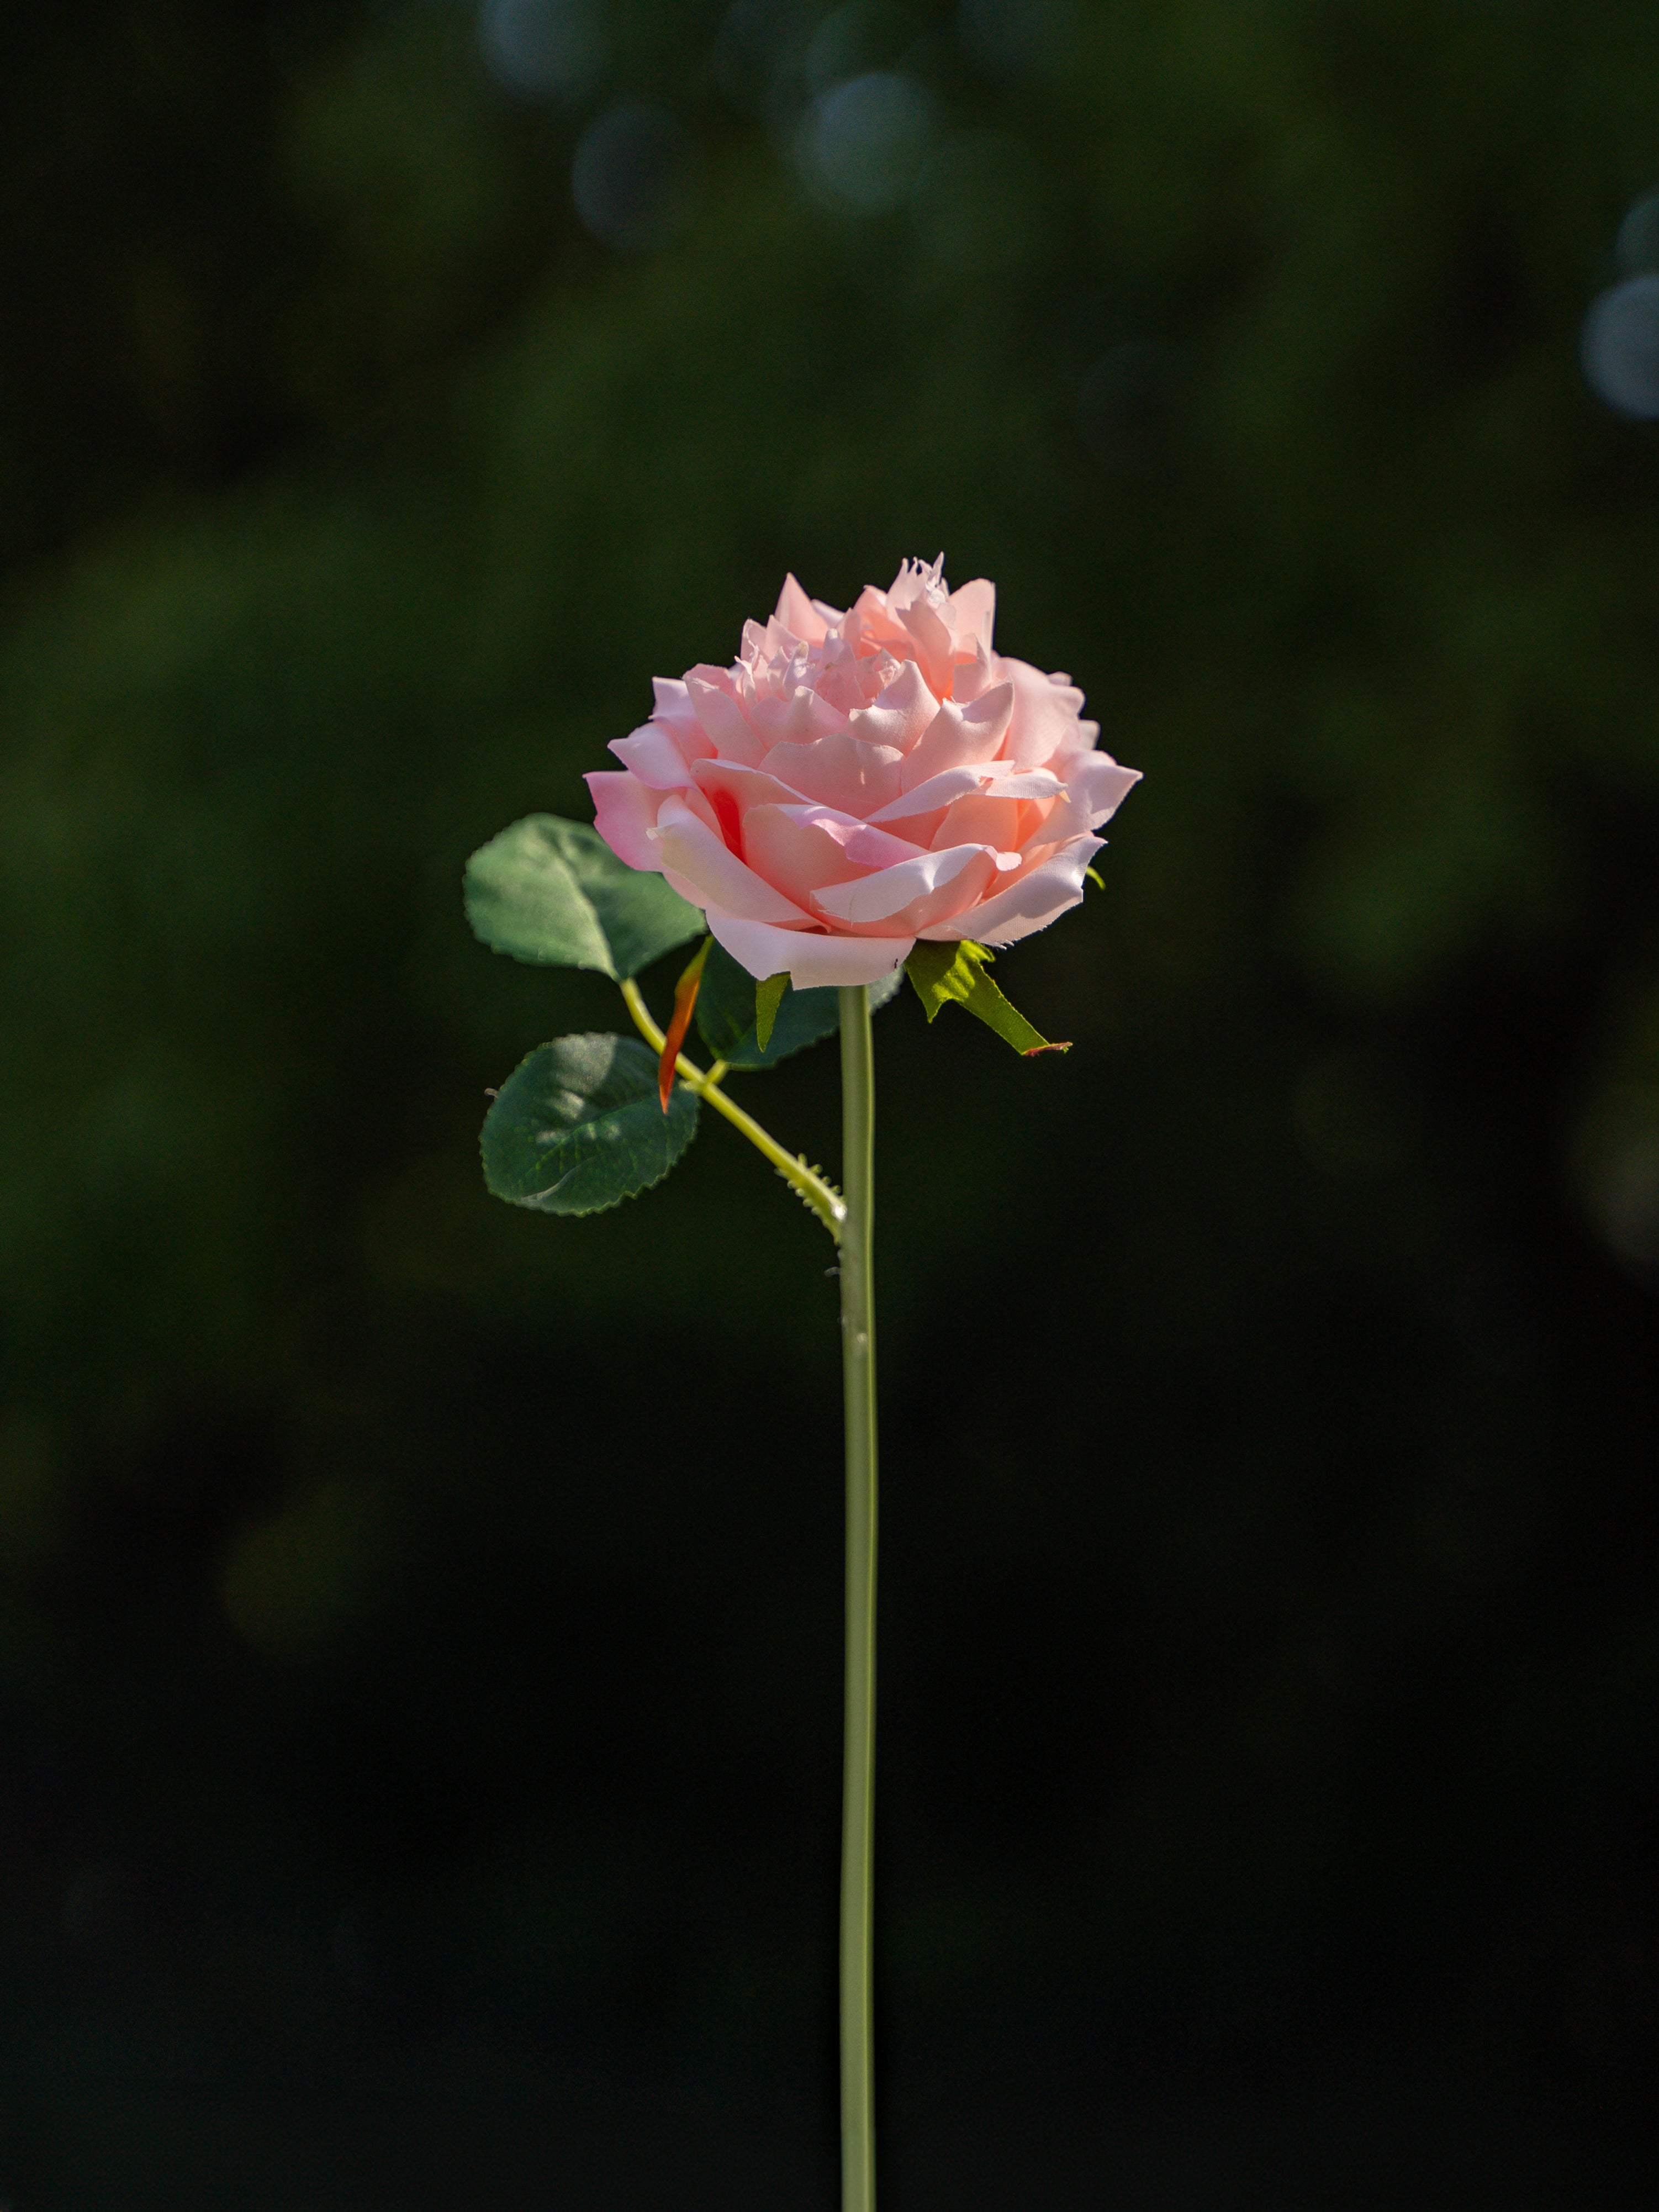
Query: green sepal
x=553 y=892
x=578 y=1126
x=728 y=1013
x=769 y=997
x=942 y=972
x=1095 y=878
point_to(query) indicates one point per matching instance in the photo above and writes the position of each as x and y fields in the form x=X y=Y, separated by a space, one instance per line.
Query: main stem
x=857 y=1329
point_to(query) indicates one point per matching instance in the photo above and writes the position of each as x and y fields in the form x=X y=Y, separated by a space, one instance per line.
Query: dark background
x=419 y=1621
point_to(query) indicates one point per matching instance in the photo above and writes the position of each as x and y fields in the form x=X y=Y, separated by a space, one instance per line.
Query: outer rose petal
x=794 y=856
x=814 y=962
x=722 y=718
x=654 y=754
x=890 y=890
x=1045 y=714
x=1029 y=905
x=674 y=710
x=1101 y=783
x=623 y=811
x=691 y=849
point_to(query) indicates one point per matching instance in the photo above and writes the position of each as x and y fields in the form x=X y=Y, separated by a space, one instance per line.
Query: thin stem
x=858 y=1327
x=822 y=1197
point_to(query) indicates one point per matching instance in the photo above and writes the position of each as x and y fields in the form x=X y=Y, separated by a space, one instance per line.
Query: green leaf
x=554 y=892
x=942 y=972
x=578 y=1126
x=728 y=1013
x=769 y=997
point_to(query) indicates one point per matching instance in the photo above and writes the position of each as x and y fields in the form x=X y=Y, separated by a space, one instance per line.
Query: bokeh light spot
x=1637 y=242
x=1620 y=347
x=633 y=178
x=554 y=50
x=862 y=143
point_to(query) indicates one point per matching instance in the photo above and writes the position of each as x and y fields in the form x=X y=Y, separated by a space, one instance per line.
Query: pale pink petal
x=624 y=812
x=799 y=616
x=973 y=613
x=1030 y=783
x=801 y=720
x=890 y=890
x=750 y=786
x=972 y=679
x=843 y=771
x=1045 y=718
x=960 y=734
x=877 y=848
x=722 y=719
x=931 y=644
x=654 y=754
x=937 y=792
x=693 y=851
x=979 y=820
x=1030 y=904
x=962 y=897
x=815 y=961
x=900 y=715
x=1101 y=783
x=795 y=853
x=674 y=710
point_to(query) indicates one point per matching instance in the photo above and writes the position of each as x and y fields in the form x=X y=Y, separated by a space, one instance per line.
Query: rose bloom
x=854 y=781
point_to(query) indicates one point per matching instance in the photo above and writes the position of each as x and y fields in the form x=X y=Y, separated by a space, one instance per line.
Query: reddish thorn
x=685 y=997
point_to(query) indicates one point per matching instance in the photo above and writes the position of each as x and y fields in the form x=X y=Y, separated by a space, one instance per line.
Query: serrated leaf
x=553 y=892
x=941 y=973
x=578 y=1126
x=726 y=1013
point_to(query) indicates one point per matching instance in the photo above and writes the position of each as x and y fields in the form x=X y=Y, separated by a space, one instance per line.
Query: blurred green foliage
x=418 y=1620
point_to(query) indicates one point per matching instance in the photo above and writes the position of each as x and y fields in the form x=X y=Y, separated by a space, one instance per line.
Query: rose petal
x=801 y=719
x=1029 y=904
x=973 y=613
x=692 y=850
x=654 y=754
x=890 y=890
x=674 y=710
x=901 y=714
x=722 y=719
x=980 y=820
x=1101 y=784
x=843 y=771
x=799 y=616
x=796 y=854
x=1045 y=717
x=961 y=734
x=750 y=786
x=937 y=792
x=624 y=811
x=814 y=961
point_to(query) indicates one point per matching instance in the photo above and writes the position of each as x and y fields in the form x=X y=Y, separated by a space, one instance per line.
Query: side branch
x=822 y=1196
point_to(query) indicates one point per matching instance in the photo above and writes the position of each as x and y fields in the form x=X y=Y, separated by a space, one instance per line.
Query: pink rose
x=854 y=781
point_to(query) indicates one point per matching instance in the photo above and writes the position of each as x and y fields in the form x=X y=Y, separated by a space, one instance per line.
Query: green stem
x=857 y=1328
x=822 y=1197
